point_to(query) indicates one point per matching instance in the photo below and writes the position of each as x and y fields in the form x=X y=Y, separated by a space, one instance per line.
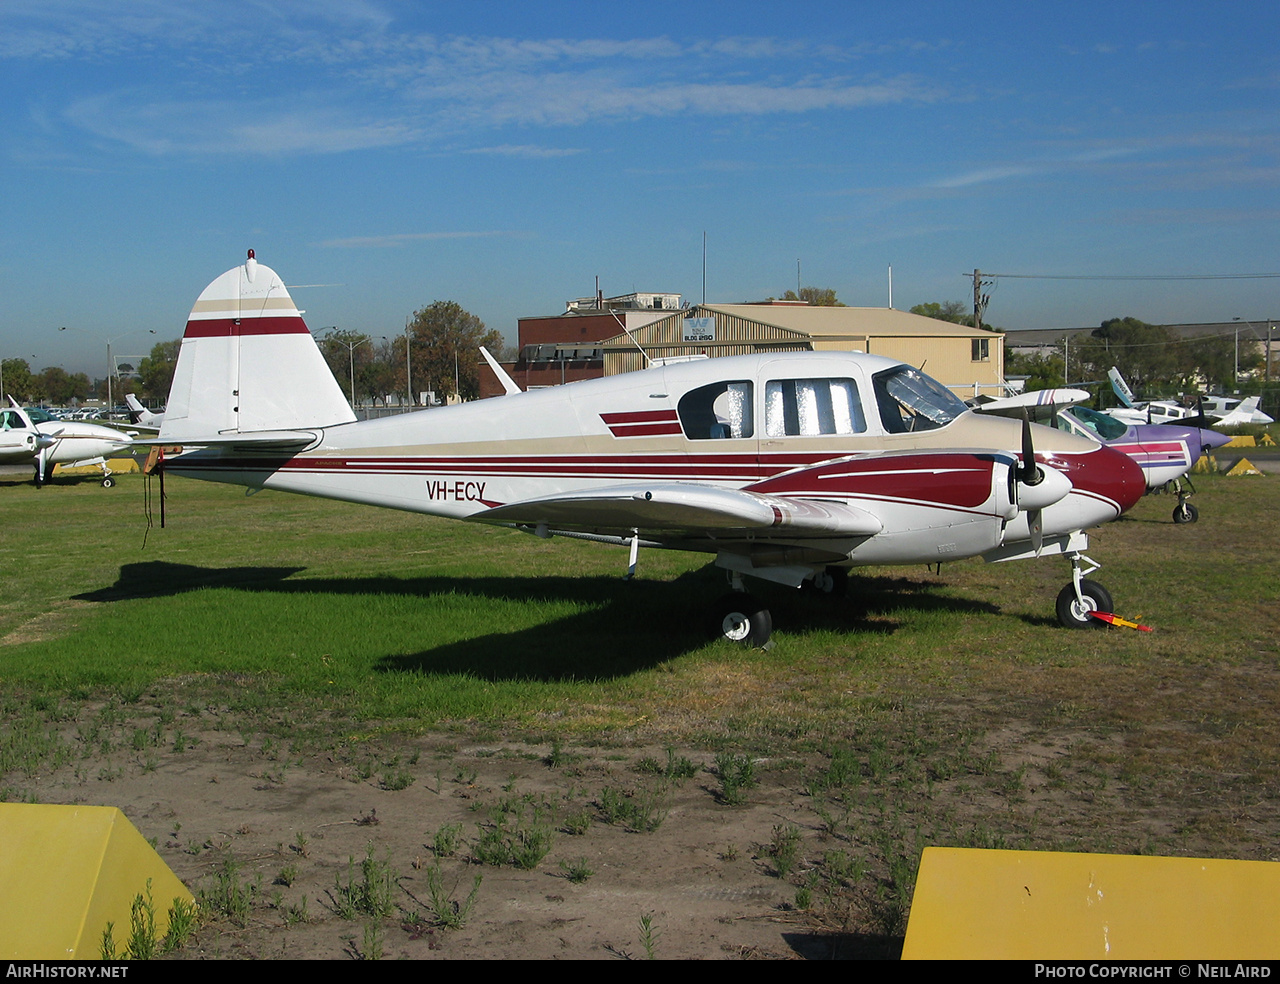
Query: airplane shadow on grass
x=628 y=625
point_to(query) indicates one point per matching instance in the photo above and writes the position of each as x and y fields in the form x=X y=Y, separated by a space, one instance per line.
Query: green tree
x=17 y=378
x=347 y=352
x=952 y=311
x=817 y=296
x=1042 y=371
x=446 y=346
x=1146 y=355
x=155 y=371
x=59 y=387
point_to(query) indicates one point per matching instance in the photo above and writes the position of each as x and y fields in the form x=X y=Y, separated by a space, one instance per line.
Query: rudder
x=248 y=363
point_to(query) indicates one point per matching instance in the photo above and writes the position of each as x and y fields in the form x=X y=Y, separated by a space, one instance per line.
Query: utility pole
x=980 y=300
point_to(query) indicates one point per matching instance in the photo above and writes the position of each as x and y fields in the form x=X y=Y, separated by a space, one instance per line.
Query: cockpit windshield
x=910 y=401
x=39 y=416
x=1095 y=424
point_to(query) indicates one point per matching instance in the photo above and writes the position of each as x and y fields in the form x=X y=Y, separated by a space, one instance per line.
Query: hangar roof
x=816 y=321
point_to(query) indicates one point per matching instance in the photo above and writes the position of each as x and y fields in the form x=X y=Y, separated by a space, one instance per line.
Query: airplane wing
x=683 y=508
x=1039 y=404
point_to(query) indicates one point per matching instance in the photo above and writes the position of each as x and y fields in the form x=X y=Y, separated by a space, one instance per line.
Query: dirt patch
x=313 y=841
x=298 y=832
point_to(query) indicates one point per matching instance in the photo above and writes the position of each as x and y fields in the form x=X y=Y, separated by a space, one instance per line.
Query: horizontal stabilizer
x=685 y=508
x=261 y=440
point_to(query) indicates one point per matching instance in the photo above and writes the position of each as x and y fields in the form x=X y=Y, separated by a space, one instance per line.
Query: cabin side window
x=720 y=410
x=812 y=407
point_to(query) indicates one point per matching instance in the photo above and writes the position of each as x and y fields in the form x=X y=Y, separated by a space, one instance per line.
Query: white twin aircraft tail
x=248 y=366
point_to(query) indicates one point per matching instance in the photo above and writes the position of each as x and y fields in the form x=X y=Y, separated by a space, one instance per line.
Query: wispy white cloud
x=342 y=77
x=265 y=127
x=526 y=150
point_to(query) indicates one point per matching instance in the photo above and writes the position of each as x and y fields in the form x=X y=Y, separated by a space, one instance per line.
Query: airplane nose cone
x=1210 y=439
x=1110 y=475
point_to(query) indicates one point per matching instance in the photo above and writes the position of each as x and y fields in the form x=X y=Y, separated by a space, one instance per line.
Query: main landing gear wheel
x=738 y=617
x=1074 y=615
x=1185 y=512
x=832 y=582
x=108 y=482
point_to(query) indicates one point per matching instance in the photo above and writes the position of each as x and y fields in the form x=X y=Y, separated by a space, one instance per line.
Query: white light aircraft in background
x=35 y=436
x=140 y=416
x=1226 y=412
x=790 y=467
x=1221 y=412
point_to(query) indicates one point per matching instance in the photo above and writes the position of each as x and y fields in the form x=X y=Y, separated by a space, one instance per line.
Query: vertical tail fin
x=1120 y=387
x=248 y=363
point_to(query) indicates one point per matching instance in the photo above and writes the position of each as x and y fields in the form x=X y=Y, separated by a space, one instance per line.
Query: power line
x=1174 y=276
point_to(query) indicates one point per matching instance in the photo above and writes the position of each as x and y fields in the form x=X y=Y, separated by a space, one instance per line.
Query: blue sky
x=503 y=155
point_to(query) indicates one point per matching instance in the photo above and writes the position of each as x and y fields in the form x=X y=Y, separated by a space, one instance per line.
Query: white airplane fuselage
x=466 y=461
x=786 y=466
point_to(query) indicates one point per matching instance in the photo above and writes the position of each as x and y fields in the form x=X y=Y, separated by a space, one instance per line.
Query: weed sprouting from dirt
x=230 y=896
x=449 y=912
x=737 y=774
x=144 y=941
x=648 y=936
x=577 y=871
x=784 y=849
x=446 y=840
x=369 y=894
x=643 y=810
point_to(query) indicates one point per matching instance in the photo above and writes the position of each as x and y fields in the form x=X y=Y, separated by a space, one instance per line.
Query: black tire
x=837 y=585
x=738 y=617
x=108 y=482
x=1185 y=512
x=1096 y=599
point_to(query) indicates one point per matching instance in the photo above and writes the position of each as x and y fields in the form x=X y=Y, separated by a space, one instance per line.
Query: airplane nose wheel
x=1185 y=512
x=1074 y=612
x=739 y=617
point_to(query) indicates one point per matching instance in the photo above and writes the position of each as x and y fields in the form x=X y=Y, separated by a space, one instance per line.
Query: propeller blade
x=1028 y=473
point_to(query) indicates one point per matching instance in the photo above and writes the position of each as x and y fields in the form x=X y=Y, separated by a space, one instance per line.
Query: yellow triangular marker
x=1243 y=467
x=67 y=871
x=1030 y=905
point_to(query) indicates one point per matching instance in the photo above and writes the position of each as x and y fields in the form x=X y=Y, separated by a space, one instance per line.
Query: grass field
x=927 y=707
x=413 y=621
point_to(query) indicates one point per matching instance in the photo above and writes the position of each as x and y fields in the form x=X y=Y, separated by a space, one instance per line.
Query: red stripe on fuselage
x=643 y=430
x=637 y=416
x=962 y=480
x=238 y=327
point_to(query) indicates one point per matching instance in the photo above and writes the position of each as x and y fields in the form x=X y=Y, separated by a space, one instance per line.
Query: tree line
x=1154 y=360
x=442 y=341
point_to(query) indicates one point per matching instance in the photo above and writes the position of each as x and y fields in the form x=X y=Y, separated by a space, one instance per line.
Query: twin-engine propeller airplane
x=788 y=467
x=37 y=437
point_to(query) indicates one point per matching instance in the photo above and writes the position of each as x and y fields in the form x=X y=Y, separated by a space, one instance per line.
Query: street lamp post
x=111 y=369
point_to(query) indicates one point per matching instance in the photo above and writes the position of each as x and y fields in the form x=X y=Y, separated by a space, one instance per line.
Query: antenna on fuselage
x=627 y=331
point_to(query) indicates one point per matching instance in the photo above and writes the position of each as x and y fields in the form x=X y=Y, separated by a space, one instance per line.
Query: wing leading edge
x=678 y=507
